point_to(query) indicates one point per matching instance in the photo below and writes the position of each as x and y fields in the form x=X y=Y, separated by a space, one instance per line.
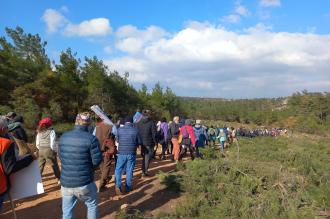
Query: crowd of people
x=100 y=145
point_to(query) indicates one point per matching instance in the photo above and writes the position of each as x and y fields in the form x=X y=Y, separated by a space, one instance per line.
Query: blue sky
x=215 y=48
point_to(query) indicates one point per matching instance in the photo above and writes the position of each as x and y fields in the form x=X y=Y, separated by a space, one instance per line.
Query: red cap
x=46 y=121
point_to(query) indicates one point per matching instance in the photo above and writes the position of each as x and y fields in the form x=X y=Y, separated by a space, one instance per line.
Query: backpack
x=185 y=133
x=199 y=132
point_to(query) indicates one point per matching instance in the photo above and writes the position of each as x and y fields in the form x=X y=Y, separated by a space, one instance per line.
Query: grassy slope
x=274 y=178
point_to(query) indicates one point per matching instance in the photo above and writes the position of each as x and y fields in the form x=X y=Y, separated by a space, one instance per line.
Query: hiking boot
x=145 y=175
x=101 y=189
x=118 y=191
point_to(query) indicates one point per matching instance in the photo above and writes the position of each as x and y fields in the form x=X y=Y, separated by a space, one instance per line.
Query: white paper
x=97 y=110
x=26 y=182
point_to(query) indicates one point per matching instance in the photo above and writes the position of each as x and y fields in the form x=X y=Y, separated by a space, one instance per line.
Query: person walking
x=128 y=140
x=80 y=154
x=174 y=133
x=104 y=134
x=46 y=143
x=200 y=135
x=188 y=140
x=165 y=137
x=147 y=130
x=212 y=136
x=8 y=162
x=15 y=127
x=222 y=139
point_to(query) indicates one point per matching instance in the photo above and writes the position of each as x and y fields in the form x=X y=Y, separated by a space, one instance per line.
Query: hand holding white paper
x=26 y=182
x=97 y=110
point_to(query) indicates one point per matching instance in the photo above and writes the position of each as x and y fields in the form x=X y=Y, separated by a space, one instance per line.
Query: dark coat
x=147 y=130
x=174 y=130
x=80 y=154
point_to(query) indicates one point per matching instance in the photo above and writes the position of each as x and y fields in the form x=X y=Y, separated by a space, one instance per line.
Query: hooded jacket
x=147 y=130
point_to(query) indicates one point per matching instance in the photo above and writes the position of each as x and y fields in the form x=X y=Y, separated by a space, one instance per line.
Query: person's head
x=187 y=122
x=3 y=125
x=83 y=119
x=44 y=124
x=176 y=119
x=198 y=123
x=232 y=128
x=163 y=119
x=221 y=130
x=18 y=119
x=212 y=126
x=146 y=113
x=11 y=115
x=128 y=119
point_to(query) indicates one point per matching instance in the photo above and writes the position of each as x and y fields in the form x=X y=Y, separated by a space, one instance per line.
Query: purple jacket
x=164 y=126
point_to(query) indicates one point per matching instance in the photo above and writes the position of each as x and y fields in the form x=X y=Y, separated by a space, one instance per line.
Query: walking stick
x=12 y=205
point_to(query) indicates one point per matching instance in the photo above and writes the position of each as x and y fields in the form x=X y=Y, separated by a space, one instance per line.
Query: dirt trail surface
x=148 y=196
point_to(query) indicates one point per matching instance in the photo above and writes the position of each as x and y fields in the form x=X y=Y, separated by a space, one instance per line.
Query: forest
x=35 y=86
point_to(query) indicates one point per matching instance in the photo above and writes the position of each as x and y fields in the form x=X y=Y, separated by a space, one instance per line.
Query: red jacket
x=190 y=131
x=8 y=162
x=4 y=145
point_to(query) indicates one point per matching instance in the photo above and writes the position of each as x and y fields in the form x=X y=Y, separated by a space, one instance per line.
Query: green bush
x=274 y=178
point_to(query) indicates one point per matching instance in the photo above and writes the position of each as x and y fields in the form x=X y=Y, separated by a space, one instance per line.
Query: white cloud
x=270 y=3
x=93 y=27
x=64 y=9
x=207 y=60
x=232 y=18
x=54 y=20
x=130 y=39
x=108 y=49
x=241 y=10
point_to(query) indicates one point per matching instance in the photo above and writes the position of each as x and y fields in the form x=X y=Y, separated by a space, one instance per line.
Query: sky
x=202 y=48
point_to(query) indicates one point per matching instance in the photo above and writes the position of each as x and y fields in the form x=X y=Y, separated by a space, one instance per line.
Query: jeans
x=127 y=162
x=147 y=153
x=86 y=194
x=222 y=145
x=2 y=198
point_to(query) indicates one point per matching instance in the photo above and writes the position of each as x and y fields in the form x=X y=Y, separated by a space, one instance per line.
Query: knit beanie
x=83 y=119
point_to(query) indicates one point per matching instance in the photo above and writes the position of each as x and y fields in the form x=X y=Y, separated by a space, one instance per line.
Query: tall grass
x=274 y=178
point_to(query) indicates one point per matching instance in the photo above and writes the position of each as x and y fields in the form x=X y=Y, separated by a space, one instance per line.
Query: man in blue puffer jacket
x=129 y=139
x=80 y=154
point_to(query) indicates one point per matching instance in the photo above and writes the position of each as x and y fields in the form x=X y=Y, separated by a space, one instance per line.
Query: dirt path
x=148 y=196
